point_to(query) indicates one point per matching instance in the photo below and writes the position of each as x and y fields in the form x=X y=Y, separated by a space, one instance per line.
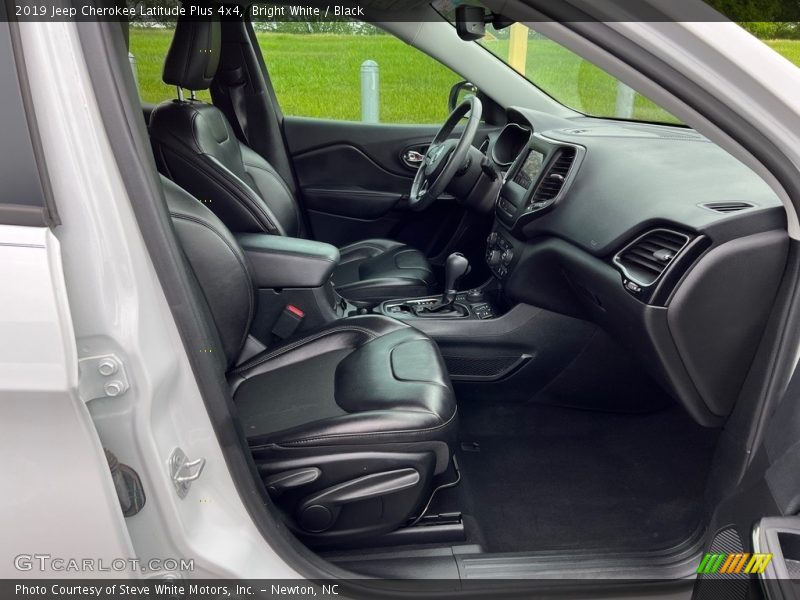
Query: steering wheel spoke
x=445 y=156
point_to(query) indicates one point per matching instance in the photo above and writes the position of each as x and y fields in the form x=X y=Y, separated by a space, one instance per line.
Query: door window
x=352 y=71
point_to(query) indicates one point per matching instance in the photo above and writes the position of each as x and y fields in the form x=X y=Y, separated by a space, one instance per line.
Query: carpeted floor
x=538 y=477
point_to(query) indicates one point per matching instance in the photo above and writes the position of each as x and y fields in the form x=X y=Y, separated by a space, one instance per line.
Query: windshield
x=568 y=78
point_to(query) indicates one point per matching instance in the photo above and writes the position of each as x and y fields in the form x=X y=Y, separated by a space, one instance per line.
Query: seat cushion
x=375 y=270
x=366 y=381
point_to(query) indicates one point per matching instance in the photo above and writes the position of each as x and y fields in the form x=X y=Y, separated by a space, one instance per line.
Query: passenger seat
x=349 y=424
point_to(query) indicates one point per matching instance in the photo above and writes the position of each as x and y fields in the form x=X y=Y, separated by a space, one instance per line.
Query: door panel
x=354 y=182
x=754 y=487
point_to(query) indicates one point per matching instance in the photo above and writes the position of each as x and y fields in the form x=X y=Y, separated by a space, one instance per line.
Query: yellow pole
x=518 y=47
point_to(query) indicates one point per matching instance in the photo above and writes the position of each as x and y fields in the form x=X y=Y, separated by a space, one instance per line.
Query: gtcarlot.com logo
x=47 y=562
x=734 y=564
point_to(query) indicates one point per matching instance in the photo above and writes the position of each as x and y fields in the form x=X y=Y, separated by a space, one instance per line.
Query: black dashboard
x=653 y=232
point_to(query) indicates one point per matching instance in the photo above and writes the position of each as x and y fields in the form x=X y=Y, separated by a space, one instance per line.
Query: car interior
x=525 y=343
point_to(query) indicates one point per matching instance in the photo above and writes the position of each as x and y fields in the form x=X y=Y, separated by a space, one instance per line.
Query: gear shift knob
x=455 y=268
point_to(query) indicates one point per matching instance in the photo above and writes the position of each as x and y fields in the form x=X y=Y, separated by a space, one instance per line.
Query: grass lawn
x=787 y=48
x=318 y=75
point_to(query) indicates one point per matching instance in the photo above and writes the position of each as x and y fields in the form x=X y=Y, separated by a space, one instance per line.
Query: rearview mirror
x=470 y=22
x=460 y=91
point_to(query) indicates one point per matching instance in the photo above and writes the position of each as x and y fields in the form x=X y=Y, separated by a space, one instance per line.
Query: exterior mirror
x=460 y=91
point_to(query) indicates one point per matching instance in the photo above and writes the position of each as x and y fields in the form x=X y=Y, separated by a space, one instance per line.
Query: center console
x=500 y=253
x=472 y=304
x=451 y=305
x=293 y=281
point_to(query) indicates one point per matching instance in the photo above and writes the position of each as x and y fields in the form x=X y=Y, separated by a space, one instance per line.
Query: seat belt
x=234 y=82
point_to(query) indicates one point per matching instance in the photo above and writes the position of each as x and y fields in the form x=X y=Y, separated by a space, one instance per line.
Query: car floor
x=543 y=477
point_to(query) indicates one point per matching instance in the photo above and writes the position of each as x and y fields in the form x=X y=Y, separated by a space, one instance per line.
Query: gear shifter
x=455 y=268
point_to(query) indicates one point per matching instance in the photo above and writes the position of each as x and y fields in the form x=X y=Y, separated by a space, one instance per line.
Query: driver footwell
x=540 y=477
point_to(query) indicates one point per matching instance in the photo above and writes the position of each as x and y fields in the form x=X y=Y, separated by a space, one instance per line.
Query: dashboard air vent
x=555 y=176
x=727 y=207
x=649 y=256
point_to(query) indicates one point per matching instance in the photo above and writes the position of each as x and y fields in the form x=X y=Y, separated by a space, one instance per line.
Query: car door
x=754 y=547
x=359 y=108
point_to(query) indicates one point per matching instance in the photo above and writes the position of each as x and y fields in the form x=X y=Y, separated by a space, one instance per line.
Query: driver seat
x=196 y=147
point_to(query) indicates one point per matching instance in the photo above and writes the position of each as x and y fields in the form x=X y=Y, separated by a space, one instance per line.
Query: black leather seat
x=349 y=424
x=195 y=146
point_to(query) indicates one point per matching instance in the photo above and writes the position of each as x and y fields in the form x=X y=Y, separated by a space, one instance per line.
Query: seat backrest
x=195 y=145
x=219 y=265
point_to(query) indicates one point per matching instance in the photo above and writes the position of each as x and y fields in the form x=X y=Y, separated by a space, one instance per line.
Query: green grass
x=787 y=48
x=318 y=75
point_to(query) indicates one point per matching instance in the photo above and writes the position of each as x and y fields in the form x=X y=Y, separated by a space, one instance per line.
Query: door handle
x=413 y=158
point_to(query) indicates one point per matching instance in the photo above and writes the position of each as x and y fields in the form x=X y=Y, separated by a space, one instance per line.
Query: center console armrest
x=285 y=262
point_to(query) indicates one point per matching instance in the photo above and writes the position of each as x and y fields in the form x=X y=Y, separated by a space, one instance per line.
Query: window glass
x=567 y=77
x=19 y=173
x=579 y=84
x=315 y=69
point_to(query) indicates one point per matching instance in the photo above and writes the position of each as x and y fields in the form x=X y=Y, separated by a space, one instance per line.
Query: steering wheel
x=445 y=156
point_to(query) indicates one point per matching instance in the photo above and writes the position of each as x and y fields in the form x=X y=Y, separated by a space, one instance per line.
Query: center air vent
x=727 y=207
x=555 y=176
x=648 y=256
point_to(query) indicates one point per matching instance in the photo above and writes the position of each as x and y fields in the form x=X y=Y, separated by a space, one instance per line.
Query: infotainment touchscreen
x=530 y=169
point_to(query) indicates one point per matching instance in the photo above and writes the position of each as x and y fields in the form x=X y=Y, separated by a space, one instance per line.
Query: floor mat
x=550 y=478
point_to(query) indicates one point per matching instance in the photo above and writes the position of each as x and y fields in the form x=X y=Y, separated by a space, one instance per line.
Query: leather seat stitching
x=219 y=174
x=192 y=160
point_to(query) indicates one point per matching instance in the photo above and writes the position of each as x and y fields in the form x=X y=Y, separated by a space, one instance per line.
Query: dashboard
x=656 y=234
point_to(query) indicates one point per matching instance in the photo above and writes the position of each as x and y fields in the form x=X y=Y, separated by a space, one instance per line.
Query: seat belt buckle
x=289 y=320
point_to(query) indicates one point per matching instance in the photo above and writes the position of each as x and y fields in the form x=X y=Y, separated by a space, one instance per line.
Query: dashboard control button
x=507 y=257
x=494 y=258
x=492 y=239
x=475 y=296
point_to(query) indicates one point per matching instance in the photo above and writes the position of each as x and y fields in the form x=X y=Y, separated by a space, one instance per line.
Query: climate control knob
x=507 y=257
x=492 y=239
x=494 y=258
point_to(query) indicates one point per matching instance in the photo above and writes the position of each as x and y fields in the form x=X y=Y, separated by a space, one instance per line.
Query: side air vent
x=555 y=176
x=644 y=260
x=727 y=207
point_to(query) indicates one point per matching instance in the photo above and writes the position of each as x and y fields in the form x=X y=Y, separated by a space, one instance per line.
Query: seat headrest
x=193 y=55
